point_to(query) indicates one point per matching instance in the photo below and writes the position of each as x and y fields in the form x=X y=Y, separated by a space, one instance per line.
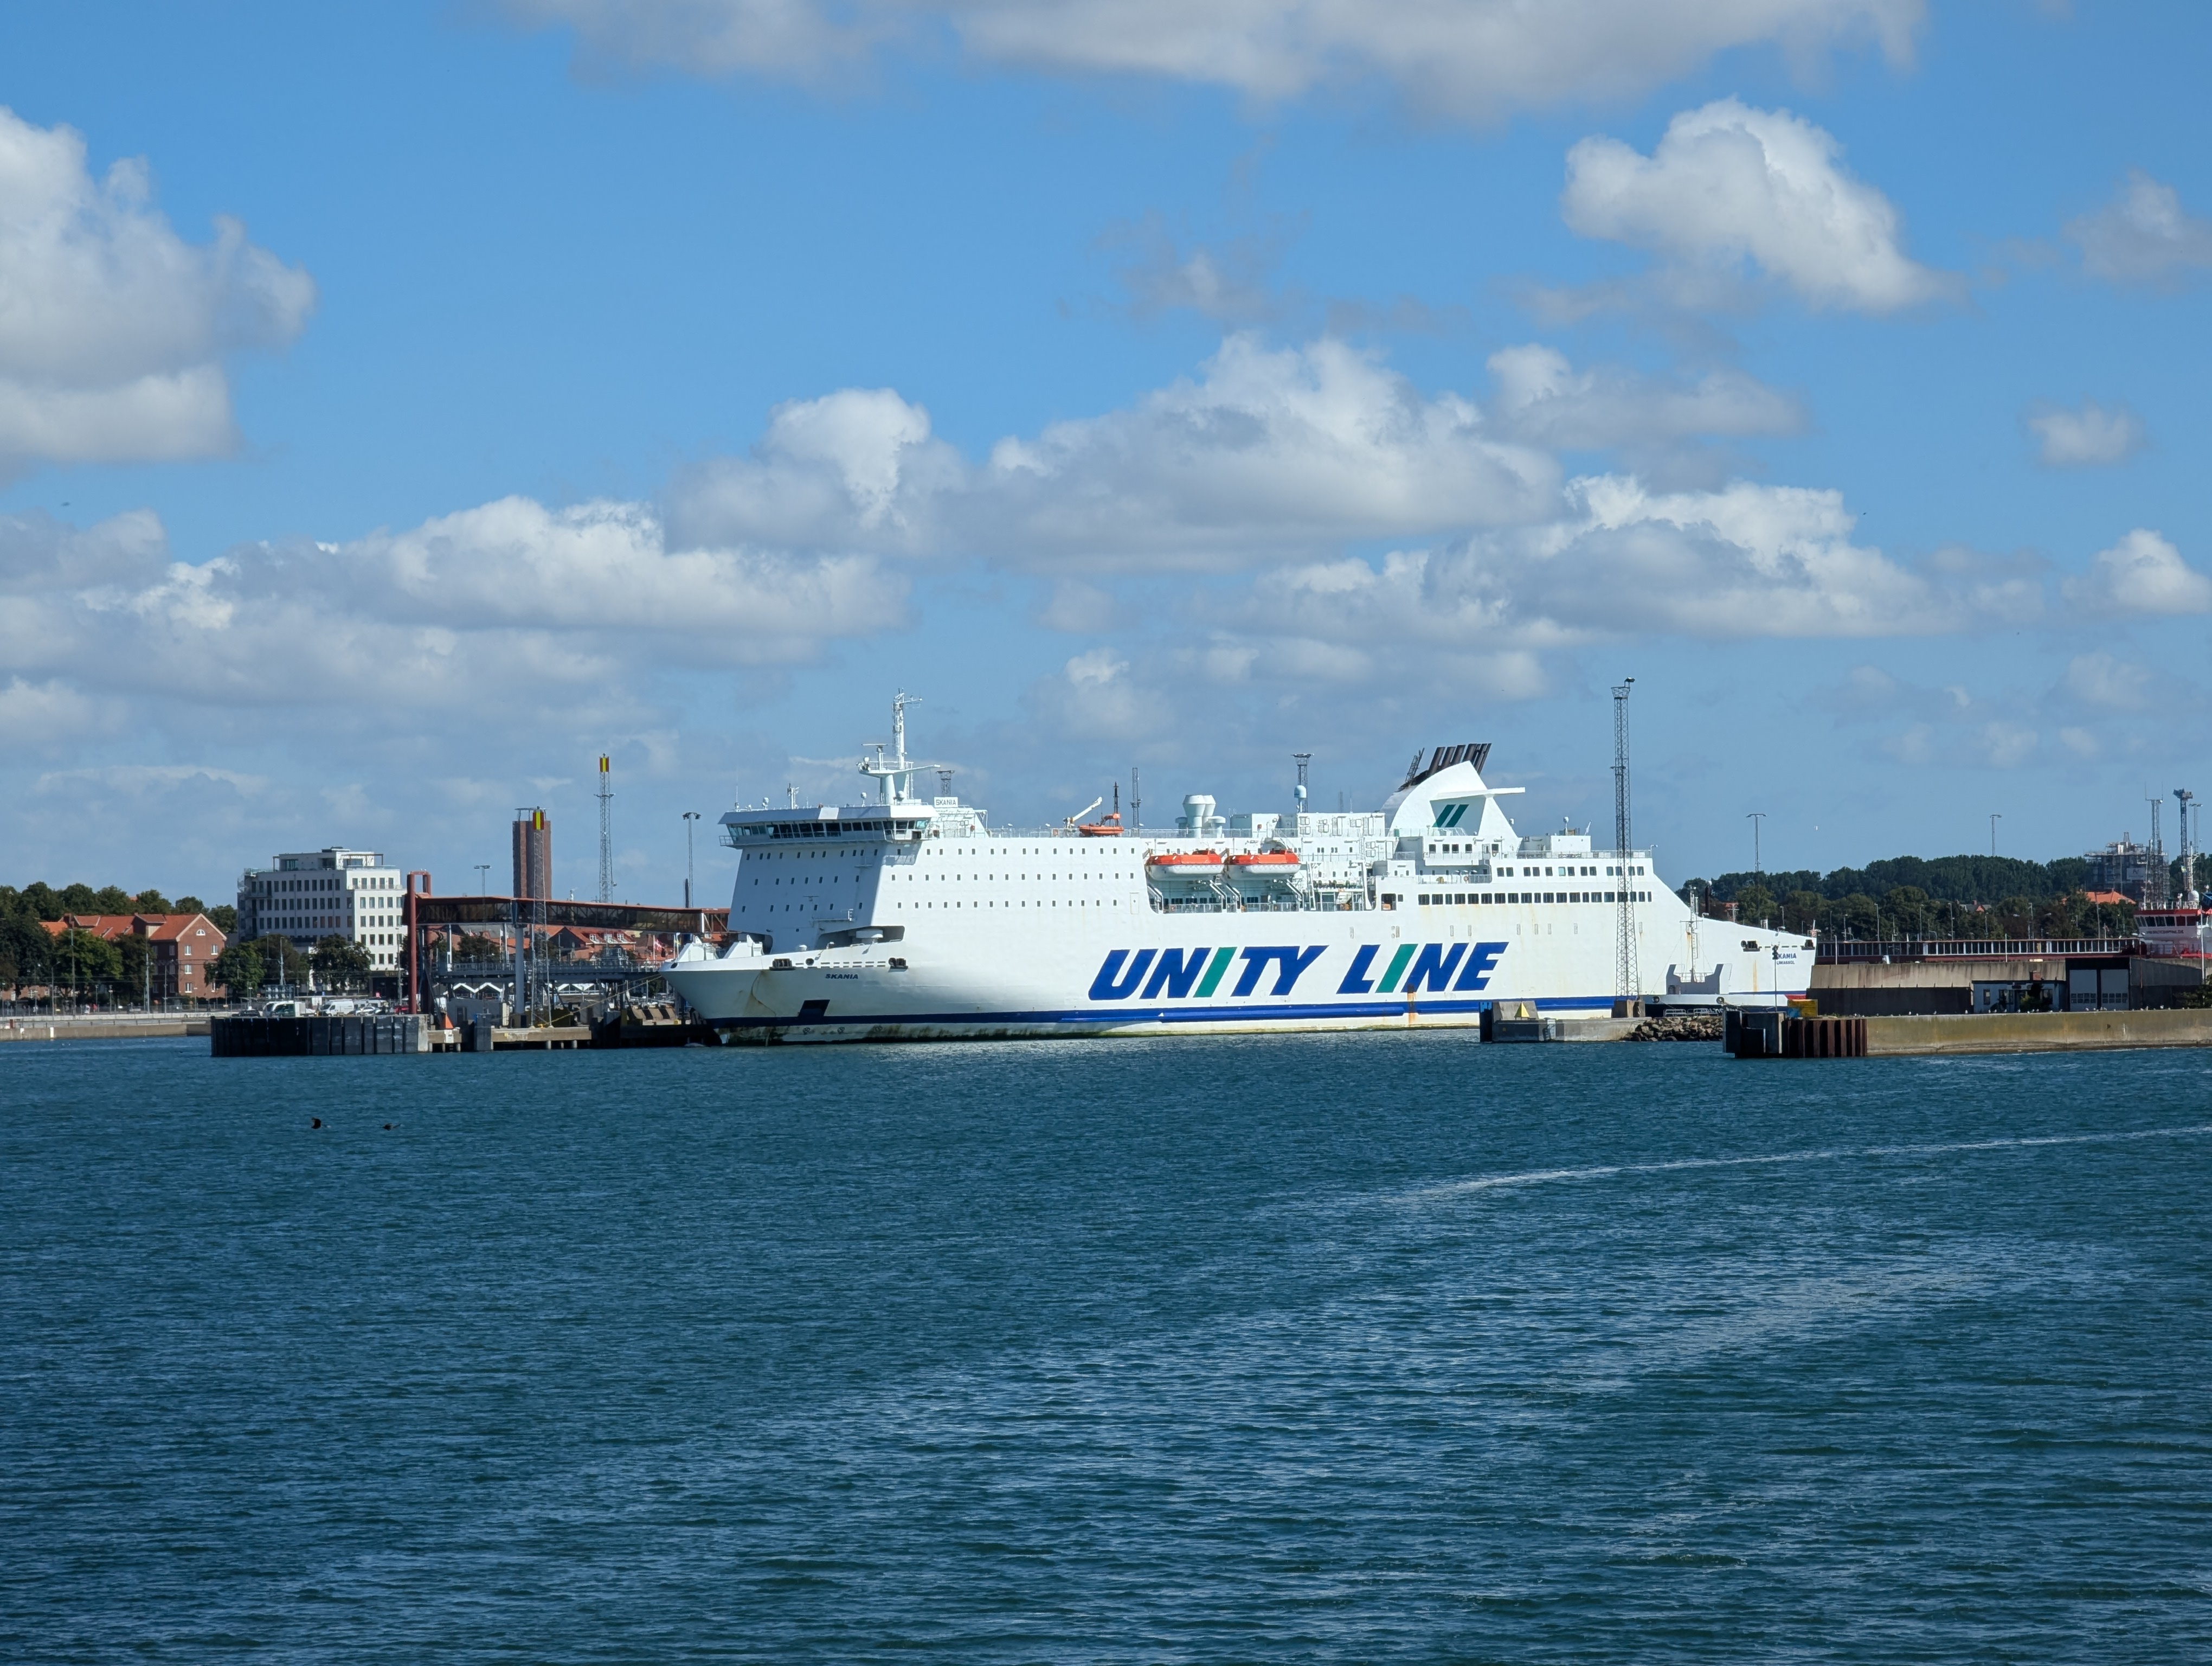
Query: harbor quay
x=1811 y=1036
x=483 y=974
x=104 y=1026
x=1939 y=977
x=898 y=916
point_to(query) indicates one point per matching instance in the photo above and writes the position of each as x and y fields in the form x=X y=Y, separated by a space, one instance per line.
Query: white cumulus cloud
x=2141 y=574
x=1746 y=561
x=1267 y=449
x=1727 y=184
x=1095 y=697
x=1261 y=458
x=2143 y=235
x=2114 y=685
x=603 y=567
x=112 y=328
x=1472 y=60
x=2090 y=437
x=42 y=716
x=1219 y=532
x=858 y=469
x=462 y=610
x=1659 y=425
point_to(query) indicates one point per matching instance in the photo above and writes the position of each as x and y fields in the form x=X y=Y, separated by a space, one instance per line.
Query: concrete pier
x=1782 y=1036
x=131 y=1026
x=2037 y=1032
x=1559 y=1028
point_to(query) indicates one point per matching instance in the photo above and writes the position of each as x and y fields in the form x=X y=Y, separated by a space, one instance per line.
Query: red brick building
x=184 y=948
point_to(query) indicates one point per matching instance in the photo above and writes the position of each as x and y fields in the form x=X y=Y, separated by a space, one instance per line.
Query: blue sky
x=441 y=394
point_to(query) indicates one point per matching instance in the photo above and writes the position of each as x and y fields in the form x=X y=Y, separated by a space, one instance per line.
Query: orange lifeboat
x=1108 y=826
x=1266 y=861
x=1185 y=864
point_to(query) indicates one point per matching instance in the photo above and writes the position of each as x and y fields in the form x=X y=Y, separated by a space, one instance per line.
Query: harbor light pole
x=689 y=817
x=1627 y=962
x=1995 y=817
x=484 y=880
x=1755 y=816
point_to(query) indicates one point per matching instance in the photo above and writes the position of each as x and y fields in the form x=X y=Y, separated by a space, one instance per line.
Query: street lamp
x=483 y=871
x=689 y=817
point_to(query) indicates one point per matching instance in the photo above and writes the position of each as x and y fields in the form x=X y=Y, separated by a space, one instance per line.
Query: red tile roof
x=156 y=927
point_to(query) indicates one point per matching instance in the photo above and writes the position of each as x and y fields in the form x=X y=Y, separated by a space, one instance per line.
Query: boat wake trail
x=1834 y=1153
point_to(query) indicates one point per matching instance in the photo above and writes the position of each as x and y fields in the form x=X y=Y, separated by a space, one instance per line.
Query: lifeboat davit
x=1186 y=864
x=1266 y=861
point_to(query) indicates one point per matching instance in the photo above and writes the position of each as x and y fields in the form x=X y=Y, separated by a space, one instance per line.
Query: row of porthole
x=1452 y=899
x=1079 y=903
x=1011 y=879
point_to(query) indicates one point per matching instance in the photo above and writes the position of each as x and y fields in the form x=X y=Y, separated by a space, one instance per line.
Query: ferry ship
x=901 y=919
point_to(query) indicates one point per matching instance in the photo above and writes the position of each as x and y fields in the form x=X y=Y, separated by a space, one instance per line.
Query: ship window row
x=816 y=830
x=1562 y=872
x=1073 y=903
x=912 y=878
x=1456 y=898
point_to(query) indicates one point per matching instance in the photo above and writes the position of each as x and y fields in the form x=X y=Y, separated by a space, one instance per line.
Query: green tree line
x=94 y=968
x=338 y=965
x=77 y=961
x=1905 y=897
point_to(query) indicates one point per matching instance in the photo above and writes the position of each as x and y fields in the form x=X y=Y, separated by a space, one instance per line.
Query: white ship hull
x=908 y=921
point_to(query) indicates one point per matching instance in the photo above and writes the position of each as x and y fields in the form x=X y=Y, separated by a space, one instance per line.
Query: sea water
x=1357 y=1348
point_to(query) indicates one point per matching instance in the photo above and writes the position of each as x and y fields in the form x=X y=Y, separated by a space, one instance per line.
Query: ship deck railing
x=1835 y=952
x=1285 y=903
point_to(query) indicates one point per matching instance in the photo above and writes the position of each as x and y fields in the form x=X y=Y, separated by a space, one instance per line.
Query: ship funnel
x=1198 y=818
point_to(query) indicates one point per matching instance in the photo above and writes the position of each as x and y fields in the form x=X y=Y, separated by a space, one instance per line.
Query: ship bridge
x=745 y=828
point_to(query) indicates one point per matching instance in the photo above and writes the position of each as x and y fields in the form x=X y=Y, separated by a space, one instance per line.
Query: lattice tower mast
x=1626 y=972
x=2188 y=851
x=606 y=830
x=2154 y=880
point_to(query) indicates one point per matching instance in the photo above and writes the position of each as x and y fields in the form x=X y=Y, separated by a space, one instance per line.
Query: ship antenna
x=897 y=776
x=898 y=738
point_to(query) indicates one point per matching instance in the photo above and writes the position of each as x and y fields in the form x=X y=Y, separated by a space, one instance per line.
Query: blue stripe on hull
x=1119 y=1017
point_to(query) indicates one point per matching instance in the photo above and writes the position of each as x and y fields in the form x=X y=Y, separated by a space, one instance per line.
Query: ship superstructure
x=912 y=919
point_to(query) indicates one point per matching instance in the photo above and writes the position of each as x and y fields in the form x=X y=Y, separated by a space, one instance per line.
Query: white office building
x=309 y=894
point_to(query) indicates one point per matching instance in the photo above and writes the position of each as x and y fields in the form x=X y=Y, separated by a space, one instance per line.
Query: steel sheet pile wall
x=316 y=1037
x=1779 y=1034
